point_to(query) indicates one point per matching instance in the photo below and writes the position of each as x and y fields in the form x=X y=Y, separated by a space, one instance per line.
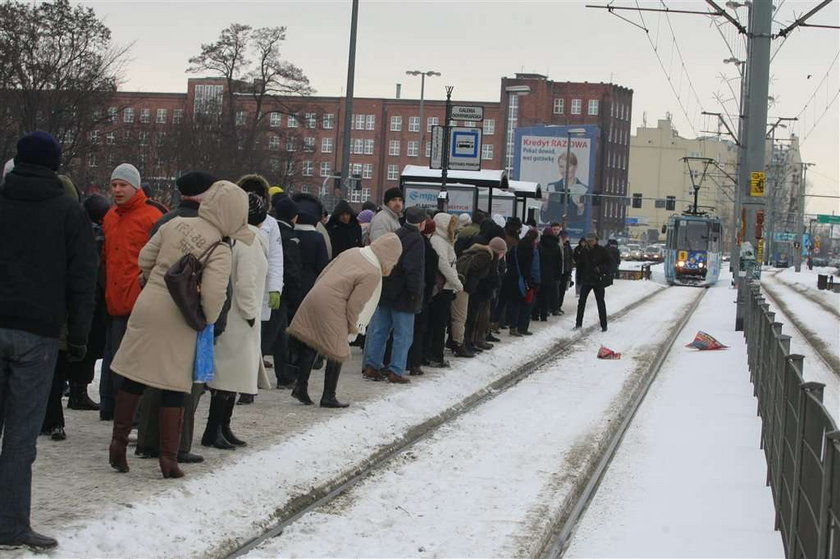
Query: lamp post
x=422 y=74
x=566 y=178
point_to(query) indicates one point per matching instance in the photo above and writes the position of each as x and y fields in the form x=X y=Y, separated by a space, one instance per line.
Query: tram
x=693 y=250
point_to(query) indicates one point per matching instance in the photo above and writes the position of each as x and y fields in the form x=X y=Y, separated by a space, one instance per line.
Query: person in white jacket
x=451 y=297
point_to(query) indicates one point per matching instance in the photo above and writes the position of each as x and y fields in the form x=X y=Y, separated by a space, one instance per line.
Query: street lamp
x=566 y=179
x=422 y=74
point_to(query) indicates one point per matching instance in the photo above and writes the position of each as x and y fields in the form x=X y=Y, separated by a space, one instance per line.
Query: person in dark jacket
x=566 y=277
x=466 y=236
x=421 y=319
x=313 y=248
x=476 y=264
x=48 y=268
x=191 y=186
x=615 y=256
x=487 y=291
x=402 y=298
x=575 y=256
x=551 y=271
x=512 y=229
x=286 y=213
x=593 y=261
x=523 y=283
x=344 y=229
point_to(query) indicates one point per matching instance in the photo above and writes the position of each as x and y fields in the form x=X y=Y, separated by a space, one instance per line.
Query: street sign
x=825 y=218
x=757 y=182
x=436 y=157
x=784 y=237
x=467 y=112
x=464 y=149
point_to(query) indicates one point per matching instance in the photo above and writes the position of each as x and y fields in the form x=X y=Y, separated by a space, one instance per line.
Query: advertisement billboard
x=461 y=197
x=541 y=154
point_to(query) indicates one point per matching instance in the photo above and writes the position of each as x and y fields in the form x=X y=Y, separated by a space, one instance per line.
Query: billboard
x=540 y=156
x=461 y=197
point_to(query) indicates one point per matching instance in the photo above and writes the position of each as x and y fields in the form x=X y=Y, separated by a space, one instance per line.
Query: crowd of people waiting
x=286 y=286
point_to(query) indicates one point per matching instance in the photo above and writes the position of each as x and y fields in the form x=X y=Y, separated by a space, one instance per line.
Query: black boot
x=328 y=399
x=213 y=432
x=301 y=390
x=79 y=399
x=226 y=432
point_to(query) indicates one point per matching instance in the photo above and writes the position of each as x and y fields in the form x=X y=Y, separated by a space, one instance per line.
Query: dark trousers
x=27 y=364
x=438 y=320
x=546 y=300
x=519 y=315
x=275 y=342
x=54 y=415
x=482 y=319
x=148 y=432
x=599 y=297
x=415 y=354
x=109 y=381
x=561 y=291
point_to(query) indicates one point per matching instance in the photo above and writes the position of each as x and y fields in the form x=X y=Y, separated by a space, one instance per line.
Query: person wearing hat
x=402 y=298
x=364 y=218
x=48 y=278
x=388 y=218
x=475 y=265
x=193 y=187
x=593 y=263
x=344 y=228
x=126 y=227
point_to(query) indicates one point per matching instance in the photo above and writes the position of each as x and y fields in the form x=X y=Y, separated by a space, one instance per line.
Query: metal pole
x=444 y=167
x=422 y=124
x=348 y=105
x=798 y=225
x=567 y=193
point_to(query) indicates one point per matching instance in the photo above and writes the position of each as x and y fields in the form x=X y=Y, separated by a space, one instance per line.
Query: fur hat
x=194 y=183
x=39 y=148
x=392 y=193
x=128 y=173
x=284 y=208
x=254 y=183
x=415 y=215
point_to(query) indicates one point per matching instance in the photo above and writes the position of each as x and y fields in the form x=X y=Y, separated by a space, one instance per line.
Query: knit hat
x=369 y=205
x=285 y=208
x=392 y=193
x=415 y=215
x=275 y=190
x=499 y=220
x=464 y=220
x=128 y=173
x=256 y=209
x=39 y=148
x=96 y=207
x=498 y=245
x=429 y=226
x=310 y=209
x=365 y=216
x=194 y=183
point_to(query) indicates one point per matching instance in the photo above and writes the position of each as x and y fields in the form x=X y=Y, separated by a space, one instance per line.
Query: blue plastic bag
x=203 y=368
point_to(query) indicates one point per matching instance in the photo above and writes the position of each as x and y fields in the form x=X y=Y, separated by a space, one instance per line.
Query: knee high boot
x=328 y=399
x=170 y=439
x=301 y=389
x=226 y=432
x=213 y=432
x=125 y=406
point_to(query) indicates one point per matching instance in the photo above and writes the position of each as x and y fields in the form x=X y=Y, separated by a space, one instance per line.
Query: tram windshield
x=693 y=235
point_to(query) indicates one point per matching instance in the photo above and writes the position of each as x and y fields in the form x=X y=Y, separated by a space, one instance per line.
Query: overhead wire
x=814 y=96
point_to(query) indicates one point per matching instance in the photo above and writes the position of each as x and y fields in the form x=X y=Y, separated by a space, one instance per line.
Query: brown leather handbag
x=183 y=279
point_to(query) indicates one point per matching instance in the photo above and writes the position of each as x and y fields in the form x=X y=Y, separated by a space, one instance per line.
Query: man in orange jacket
x=126 y=227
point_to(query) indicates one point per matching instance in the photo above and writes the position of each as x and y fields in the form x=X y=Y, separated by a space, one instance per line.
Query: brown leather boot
x=372 y=374
x=125 y=406
x=170 y=440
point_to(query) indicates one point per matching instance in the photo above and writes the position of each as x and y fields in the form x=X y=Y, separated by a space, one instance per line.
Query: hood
x=32 y=182
x=550 y=241
x=388 y=249
x=479 y=248
x=445 y=225
x=226 y=206
x=343 y=206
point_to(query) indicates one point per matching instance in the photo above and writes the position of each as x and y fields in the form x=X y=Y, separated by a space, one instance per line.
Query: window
x=394 y=148
x=428 y=149
x=370 y=122
x=208 y=99
x=489 y=127
x=326 y=169
x=94 y=137
x=241 y=116
x=414 y=124
x=368 y=147
x=112 y=114
x=145 y=116
x=160 y=118
x=469 y=124
x=274 y=143
x=292 y=121
x=559 y=106
x=393 y=173
x=413 y=149
x=291 y=144
x=274 y=119
x=110 y=138
x=326 y=145
x=355 y=168
x=128 y=115
x=307 y=169
x=576 y=105
x=358 y=122
x=311 y=120
x=367 y=171
x=487 y=152
x=309 y=144
x=358 y=147
x=592 y=108
x=92 y=160
x=143 y=138
x=328 y=122
x=396 y=124
x=431 y=121
x=177 y=116
x=290 y=167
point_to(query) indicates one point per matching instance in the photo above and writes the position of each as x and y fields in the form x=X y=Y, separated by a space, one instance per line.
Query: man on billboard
x=554 y=207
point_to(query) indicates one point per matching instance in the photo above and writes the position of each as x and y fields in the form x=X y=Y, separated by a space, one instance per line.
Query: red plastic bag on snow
x=607 y=353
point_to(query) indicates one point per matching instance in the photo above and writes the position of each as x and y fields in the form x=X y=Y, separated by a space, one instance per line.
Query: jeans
x=599 y=297
x=27 y=364
x=109 y=381
x=384 y=321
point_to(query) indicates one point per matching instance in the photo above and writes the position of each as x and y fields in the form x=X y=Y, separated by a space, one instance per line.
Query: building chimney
x=399 y=87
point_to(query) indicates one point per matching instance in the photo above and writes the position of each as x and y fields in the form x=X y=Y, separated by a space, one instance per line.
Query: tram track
x=324 y=496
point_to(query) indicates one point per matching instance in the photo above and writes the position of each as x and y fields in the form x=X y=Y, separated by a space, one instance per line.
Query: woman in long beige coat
x=337 y=309
x=158 y=349
x=237 y=354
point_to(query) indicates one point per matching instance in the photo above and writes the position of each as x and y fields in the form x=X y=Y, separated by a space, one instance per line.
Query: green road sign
x=825 y=218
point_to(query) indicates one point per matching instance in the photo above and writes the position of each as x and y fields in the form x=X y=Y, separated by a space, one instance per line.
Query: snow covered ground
x=688 y=478
x=491 y=483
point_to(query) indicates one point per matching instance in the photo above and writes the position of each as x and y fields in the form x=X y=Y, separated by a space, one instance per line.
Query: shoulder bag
x=183 y=280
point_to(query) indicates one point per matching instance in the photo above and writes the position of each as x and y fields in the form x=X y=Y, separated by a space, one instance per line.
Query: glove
x=76 y=352
x=250 y=322
x=273 y=300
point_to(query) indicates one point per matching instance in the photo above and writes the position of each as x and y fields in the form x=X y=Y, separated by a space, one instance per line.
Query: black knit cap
x=257 y=210
x=39 y=148
x=392 y=193
x=194 y=183
x=310 y=208
x=284 y=208
x=96 y=207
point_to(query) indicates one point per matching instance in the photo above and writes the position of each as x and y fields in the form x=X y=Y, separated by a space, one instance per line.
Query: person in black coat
x=421 y=319
x=615 y=256
x=551 y=272
x=344 y=229
x=593 y=263
x=566 y=277
x=276 y=342
x=313 y=248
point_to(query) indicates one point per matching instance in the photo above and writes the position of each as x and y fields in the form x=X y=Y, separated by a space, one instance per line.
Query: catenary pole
x=348 y=105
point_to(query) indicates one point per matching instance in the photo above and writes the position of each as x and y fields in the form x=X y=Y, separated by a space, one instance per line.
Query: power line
x=819 y=118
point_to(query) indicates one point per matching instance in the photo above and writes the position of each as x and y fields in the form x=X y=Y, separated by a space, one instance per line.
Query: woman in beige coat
x=337 y=309
x=237 y=354
x=159 y=346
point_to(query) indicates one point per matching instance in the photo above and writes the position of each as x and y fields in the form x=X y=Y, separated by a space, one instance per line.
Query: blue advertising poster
x=555 y=156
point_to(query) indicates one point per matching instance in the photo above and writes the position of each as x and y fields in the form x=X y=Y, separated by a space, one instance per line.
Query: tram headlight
x=680 y=263
x=701 y=265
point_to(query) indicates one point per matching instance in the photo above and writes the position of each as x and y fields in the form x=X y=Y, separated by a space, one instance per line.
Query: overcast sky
x=474 y=44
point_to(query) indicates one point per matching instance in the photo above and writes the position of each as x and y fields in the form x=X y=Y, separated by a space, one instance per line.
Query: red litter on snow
x=703 y=341
x=607 y=353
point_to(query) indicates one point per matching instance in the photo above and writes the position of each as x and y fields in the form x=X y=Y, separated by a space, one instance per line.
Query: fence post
x=797 y=459
x=831 y=448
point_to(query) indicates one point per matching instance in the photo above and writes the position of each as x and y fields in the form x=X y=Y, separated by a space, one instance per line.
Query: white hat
x=128 y=173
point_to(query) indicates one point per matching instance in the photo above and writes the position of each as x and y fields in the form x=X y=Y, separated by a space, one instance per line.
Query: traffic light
x=637 y=200
x=670 y=203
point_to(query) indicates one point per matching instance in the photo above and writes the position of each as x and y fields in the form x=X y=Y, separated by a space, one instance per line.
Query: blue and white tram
x=693 y=250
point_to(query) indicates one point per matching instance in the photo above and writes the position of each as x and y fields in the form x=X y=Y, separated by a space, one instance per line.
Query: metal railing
x=799 y=437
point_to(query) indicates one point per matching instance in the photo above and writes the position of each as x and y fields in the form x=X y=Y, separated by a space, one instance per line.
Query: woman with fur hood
x=337 y=309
